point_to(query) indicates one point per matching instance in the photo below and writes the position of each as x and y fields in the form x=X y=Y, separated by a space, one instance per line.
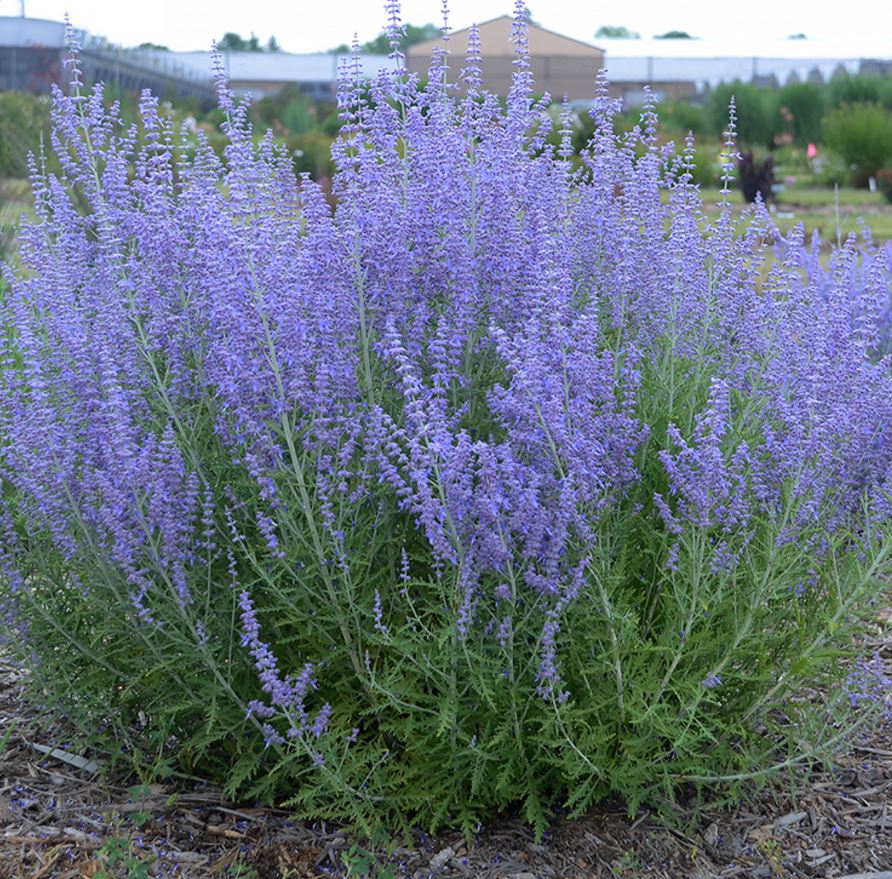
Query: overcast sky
x=313 y=25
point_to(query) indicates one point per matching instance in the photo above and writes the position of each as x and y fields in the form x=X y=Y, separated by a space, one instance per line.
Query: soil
x=58 y=821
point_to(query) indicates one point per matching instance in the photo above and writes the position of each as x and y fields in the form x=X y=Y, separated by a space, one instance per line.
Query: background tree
x=232 y=42
x=528 y=14
x=412 y=34
x=674 y=35
x=616 y=32
x=861 y=90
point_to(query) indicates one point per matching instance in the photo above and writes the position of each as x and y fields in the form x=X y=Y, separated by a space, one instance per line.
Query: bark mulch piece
x=58 y=821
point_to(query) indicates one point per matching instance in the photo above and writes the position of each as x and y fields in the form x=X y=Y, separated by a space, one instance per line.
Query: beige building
x=560 y=65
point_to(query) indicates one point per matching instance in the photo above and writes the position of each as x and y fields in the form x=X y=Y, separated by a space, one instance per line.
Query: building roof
x=869 y=46
x=654 y=61
x=495 y=42
x=276 y=67
x=708 y=62
x=23 y=32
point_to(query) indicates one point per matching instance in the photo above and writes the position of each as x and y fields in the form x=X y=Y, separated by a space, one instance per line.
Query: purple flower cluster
x=287 y=694
x=485 y=339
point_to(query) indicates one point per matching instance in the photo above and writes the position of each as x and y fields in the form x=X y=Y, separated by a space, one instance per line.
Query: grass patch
x=820 y=196
x=816 y=209
x=15 y=200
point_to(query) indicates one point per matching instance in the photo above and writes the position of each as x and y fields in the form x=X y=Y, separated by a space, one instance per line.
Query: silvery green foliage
x=506 y=478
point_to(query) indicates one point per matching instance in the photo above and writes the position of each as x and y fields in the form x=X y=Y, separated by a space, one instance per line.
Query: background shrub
x=861 y=134
x=884 y=182
x=757 y=117
x=705 y=170
x=756 y=177
x=831 y=170
x=804 y=105
x=24 y=121
x=499 y=482
x=861 y=90
x=680 y=117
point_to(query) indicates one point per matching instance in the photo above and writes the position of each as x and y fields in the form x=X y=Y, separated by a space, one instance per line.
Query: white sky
x=315 y=25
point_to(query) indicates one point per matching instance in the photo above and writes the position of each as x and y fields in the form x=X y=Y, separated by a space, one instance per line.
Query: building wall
x=33 y=51
x=560 y=65
x=557 y=75
x=29 y=68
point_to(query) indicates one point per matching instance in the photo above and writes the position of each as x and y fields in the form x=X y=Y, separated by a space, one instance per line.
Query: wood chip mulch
x=58 y=821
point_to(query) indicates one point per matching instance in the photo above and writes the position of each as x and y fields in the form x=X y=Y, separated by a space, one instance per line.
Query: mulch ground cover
x=59 y=821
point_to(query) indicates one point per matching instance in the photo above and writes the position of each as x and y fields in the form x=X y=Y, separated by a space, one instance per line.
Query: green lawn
x=816 y=197
x=817 y=208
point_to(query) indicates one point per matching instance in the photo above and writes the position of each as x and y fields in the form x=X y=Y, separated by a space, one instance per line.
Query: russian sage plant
x=509 y=477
